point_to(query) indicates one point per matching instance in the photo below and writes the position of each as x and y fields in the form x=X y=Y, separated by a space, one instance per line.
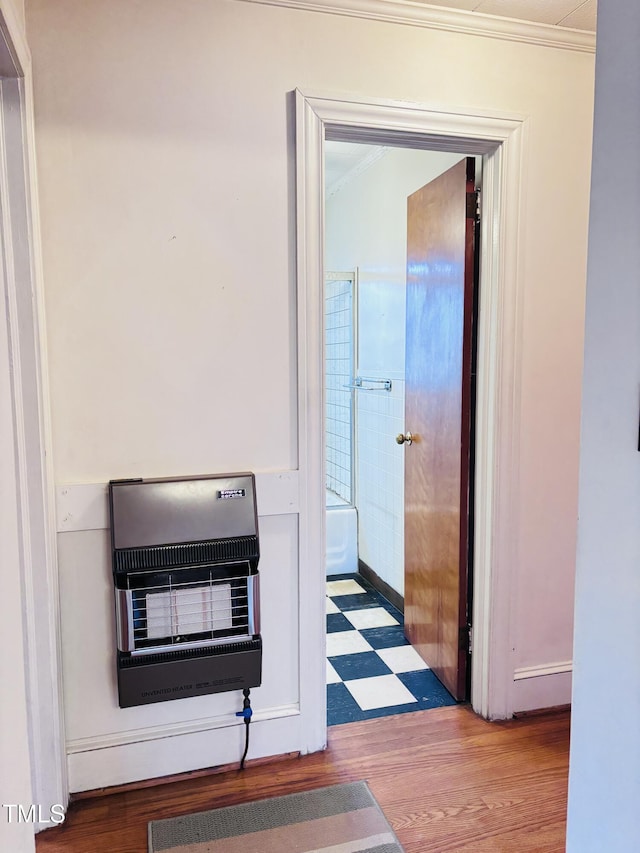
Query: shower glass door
x=339 y=372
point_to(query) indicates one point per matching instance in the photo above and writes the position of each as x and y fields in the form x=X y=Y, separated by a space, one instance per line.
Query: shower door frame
x=501 y=141
x=351 y=276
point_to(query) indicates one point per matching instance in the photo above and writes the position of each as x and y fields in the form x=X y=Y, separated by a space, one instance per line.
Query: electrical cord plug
x=247 y=713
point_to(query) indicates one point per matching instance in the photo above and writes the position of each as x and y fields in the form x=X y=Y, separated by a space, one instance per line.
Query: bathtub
x=342 y=537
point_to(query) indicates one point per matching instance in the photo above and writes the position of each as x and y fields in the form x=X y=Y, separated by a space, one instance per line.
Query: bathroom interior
x=372 y=670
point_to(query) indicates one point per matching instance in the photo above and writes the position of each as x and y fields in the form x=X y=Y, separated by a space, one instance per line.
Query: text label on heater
x=229 y=494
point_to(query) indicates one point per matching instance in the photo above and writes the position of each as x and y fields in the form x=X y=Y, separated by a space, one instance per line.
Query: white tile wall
x=380 y=481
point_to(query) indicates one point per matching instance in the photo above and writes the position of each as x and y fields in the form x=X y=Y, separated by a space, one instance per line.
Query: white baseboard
x=149 y=759
x=543 y=686
x=128 y=736
x=525 y=672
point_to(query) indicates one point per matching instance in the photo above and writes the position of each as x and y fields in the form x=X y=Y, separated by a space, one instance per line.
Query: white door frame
x=23 y=360
x=501 y=140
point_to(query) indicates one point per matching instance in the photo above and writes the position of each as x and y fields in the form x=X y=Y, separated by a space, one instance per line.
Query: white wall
x=15 y=10
x=366 y=227
x=604 y=785
x=166 y=168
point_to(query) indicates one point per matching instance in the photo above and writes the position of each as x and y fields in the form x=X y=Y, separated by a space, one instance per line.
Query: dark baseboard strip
x=539 y=712
x=382 y=586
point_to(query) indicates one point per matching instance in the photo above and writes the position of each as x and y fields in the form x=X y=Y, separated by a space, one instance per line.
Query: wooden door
x=440 y=293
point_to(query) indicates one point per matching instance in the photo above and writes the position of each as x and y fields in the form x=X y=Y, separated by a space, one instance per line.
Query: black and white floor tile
x=372 y=671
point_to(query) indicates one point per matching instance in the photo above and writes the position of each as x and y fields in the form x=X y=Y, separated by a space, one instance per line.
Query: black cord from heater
x=246 y=743
x=246 y=713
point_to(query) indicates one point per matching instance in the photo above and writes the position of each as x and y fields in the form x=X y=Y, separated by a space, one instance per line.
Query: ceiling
x=344 y=160
x=576 y=14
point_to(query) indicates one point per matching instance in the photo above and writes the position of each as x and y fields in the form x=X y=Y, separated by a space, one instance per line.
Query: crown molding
x=415 y=14
x=361 y=166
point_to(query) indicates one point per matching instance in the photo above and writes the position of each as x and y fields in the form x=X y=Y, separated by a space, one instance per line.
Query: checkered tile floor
x=372 y=671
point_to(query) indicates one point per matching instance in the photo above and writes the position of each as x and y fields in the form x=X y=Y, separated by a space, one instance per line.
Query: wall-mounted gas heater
x=185 y=568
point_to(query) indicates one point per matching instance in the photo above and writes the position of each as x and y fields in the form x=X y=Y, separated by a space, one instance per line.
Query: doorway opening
x=372 y=668
x=501 y=141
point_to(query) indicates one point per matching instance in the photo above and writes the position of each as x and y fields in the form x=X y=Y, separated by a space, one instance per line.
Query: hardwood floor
x=445 y=779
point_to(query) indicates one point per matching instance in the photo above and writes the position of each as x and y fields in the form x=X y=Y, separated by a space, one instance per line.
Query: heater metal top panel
x=148 y=513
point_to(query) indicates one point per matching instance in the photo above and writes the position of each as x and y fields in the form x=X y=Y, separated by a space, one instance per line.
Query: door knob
x=404 y=438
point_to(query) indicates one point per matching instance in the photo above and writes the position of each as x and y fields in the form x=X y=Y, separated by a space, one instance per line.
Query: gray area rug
x=338 y=819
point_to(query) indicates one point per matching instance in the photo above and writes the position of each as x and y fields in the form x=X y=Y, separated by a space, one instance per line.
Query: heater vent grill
x=187 y=654
x=189 y=554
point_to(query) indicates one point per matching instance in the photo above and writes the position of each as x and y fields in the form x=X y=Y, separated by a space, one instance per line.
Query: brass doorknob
x=404 y=438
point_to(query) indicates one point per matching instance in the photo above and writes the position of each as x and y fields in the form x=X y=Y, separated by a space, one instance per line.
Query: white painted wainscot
x=107 y=745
